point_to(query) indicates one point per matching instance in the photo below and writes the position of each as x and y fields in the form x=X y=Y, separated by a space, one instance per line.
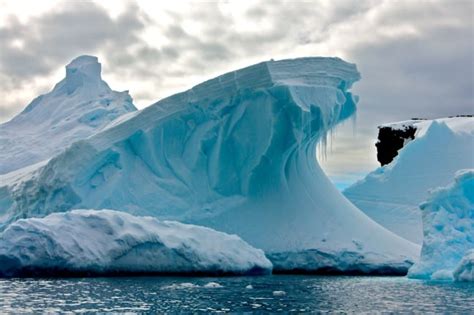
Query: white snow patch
x=456 y=124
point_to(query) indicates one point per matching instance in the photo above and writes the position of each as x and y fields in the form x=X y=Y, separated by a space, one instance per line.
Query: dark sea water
x=276 y=293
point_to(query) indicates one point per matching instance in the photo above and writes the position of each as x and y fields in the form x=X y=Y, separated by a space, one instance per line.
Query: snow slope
x=236 y=153
x=391 y=194
x=106 y=241
x=77 y=107
x=448 y=228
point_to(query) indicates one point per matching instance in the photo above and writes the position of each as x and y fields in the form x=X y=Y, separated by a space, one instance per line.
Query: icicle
x=322 y=146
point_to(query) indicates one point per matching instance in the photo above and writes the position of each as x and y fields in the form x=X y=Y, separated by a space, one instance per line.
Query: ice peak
x=87 y=65
x=78 y=106
x=84 y=71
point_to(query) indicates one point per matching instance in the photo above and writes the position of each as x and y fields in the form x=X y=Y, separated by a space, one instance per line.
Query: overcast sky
x=416 y=57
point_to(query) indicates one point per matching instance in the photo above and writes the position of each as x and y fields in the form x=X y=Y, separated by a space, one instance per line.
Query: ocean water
x=277 y=293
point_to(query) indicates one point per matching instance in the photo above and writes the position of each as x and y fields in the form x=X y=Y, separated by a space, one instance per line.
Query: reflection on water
x=237 y=294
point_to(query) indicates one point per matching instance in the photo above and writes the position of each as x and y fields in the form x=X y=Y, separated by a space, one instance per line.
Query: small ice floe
x=279 y=293
x=184 y=285
x=249 y=287
x=213 y=285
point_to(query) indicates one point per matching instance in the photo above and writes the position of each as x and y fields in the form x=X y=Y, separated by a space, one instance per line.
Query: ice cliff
x=236 y=153
x=108 y=242
x=448 y=228
x=78 y=106
x=392 y=193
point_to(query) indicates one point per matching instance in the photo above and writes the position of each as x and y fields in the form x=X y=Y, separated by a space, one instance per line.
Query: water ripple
x=231 y=294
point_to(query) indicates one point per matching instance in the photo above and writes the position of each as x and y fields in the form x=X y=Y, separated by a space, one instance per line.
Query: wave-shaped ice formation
x=236 y=153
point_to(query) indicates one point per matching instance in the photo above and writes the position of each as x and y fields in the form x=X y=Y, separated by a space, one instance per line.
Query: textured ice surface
x=465 y=270
x=391 y=194
x=236 y=153
x=109 y=241
x=77 y=107
x=448 y=228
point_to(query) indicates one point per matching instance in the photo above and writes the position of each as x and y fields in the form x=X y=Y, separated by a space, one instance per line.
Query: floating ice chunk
x=279 y=293
x=249 y=287
x=177 y=286
x=106 y=241
x=213 y=285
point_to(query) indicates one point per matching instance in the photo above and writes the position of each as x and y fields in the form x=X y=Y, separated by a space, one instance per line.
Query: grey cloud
x=176 y=32
x=427 y=14
x=83 y=27
x=304 y=22
x=256 y=13
x=429 y=75
x=6 y=111
x=170 y=52
x=56 y=37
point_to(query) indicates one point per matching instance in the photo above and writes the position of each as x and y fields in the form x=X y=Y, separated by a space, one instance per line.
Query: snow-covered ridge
x=78 y=106
x=106 y=241
x=394 y=136
x=391 y=194
x=459 y=124
x=448 y=228
x=309 y=71
x=237 y=154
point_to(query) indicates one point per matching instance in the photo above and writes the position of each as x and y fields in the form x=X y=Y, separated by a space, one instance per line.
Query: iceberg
x=110 y=242
x=448 y=228
x=237 y=154
x=78 y=106
x=431 y=152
